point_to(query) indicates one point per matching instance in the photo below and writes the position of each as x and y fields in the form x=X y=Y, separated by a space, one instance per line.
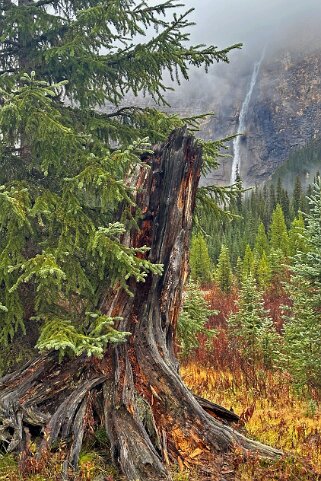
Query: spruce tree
x=309 y=193
x=285 y=204
x=81 y=195
x=223 y=273
x=302 y=336
x=266 y=207
x=200 y=261
x=297 y=196
x=251 y=226
x=193 y=319
x=247 y=263
x=239 y=270
x=271 y=200
x=278 y=231
x=251 y=330
x=302 y=332
x=277 y=265
x=263 y=272
x=297 y=240
x=261 y=241
x=64 y=157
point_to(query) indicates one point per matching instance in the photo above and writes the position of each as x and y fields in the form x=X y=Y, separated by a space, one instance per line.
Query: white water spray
x=243 y=114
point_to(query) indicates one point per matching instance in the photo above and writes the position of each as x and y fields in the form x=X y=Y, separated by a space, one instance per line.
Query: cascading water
x=243 y=113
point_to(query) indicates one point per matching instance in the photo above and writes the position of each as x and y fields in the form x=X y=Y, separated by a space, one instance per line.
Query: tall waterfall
x=242 y=119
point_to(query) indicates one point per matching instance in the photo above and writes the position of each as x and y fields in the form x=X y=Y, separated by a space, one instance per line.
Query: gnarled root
x=151 y=418
x=149 y=425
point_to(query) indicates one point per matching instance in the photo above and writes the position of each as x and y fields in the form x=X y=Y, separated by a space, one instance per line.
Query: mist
x=225 y=22
x=273 y=26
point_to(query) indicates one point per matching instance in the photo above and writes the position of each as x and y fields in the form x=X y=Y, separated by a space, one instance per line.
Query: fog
x=225 y=22
x=270 y=25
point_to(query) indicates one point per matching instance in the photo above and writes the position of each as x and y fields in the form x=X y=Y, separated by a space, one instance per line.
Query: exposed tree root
x=148 y=426
x=135 y=391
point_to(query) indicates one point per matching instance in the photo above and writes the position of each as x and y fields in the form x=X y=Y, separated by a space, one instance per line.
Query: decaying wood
x=135 y=391
x=217 y=411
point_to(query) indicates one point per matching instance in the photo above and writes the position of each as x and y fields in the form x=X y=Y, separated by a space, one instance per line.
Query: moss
x=92 y=466
x=181 y=477
x=14 y=355
x=8 y=468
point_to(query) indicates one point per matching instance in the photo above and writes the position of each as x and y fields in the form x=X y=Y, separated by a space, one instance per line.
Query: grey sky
x=259 y=24
x=224 y=22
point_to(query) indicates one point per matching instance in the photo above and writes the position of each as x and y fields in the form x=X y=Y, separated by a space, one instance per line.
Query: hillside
x=284 y=114
x=304 y=162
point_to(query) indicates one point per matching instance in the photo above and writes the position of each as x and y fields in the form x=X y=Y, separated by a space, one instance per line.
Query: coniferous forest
x=258 y=271
x=151 y=329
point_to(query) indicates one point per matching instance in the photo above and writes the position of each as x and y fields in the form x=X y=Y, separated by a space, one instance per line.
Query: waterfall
x=242 y=119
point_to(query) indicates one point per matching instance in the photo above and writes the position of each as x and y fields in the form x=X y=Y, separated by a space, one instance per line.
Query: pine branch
x=124 y=111
x=63 y=168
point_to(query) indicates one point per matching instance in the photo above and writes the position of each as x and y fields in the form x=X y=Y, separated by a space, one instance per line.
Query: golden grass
x=91 y=466
x=273 y=414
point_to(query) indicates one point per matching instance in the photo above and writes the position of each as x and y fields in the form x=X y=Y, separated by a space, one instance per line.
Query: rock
x=284 y=114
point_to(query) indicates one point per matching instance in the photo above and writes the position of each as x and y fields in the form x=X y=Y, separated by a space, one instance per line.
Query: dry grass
x=272 y=414
x=92 y=466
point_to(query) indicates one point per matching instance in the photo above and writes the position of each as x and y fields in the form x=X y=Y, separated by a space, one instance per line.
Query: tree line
x=273 y=244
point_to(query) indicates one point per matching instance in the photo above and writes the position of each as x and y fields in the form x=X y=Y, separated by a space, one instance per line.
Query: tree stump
x=151 y=417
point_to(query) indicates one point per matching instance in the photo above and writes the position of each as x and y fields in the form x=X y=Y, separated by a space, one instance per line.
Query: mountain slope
x=305 y=163
x=284 y=114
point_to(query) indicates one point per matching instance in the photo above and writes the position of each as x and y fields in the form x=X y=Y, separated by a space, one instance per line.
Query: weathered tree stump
x=151 y=417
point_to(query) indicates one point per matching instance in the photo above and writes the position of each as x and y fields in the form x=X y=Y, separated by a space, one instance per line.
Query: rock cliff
x=284 y=114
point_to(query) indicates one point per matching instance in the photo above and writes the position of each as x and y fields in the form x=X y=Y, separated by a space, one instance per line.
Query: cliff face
x=284 y=114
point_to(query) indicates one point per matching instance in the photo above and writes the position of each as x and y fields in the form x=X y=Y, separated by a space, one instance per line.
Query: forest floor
x=270 y=412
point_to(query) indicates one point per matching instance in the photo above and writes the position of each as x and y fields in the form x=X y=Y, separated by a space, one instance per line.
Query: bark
x=150 y=416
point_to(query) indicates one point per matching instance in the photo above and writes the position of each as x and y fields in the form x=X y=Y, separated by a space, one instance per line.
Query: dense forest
x=253 y=306
x=269 y=262
x=101 y=215
x=303 y=163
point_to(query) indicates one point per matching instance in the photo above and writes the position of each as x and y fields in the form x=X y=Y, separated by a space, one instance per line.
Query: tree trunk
x=150 y=416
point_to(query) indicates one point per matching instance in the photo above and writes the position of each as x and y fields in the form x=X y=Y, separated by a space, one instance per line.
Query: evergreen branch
x=61 y=335
x=215 y=200
x=9 y=70
x=43 y=3
x=122 y=111
x=160 y=8
x=64 y=168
